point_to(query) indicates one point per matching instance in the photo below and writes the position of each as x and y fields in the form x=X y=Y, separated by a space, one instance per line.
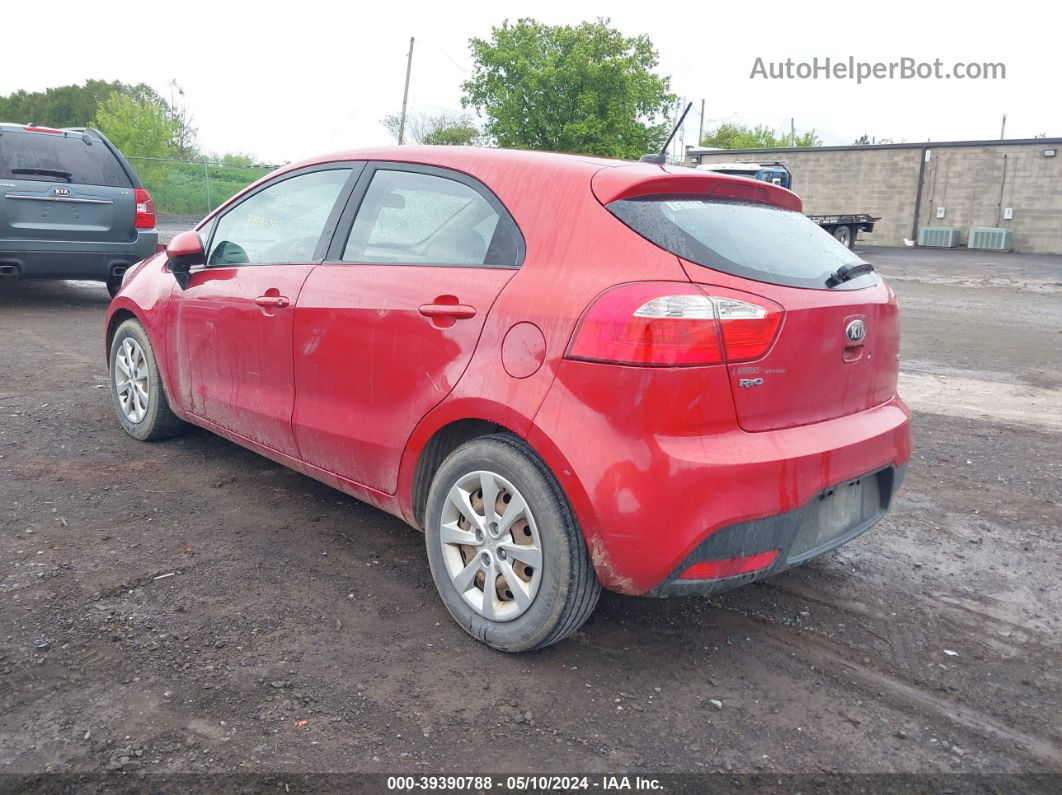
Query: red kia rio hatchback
x=569 y=373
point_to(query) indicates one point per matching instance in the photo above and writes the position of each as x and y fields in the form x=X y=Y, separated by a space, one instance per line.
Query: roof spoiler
x=640 y=181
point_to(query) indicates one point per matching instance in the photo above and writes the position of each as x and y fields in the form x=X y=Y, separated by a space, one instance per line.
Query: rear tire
x=137 y=393
x=844 y=235
x=114 y=284
x=530 y=606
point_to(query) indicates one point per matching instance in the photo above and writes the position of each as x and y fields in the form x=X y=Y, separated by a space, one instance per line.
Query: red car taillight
x=145 y=210
x=673 y=324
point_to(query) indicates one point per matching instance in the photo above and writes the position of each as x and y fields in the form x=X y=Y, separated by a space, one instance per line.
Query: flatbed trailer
x=845 y=227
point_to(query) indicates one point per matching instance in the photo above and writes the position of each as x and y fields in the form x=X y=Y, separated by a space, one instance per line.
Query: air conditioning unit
x=938 y=236
x=990 y=237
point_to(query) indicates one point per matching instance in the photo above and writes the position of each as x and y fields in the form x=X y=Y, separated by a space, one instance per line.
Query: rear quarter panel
x=575 y=250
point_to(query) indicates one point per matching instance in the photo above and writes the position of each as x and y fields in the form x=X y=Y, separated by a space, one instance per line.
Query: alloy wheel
x=131 y=380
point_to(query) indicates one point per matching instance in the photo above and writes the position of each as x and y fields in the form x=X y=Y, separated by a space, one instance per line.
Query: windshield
x=753 y=241
x=59 y=157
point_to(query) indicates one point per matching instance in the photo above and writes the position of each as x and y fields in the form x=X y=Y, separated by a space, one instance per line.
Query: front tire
x=137 y=394
x=505 y=551
x=114 y=284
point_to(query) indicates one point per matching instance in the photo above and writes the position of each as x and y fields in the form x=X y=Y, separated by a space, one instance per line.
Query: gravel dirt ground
x=190 y=606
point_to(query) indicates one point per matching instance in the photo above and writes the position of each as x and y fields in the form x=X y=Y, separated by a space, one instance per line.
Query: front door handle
x=456 y=311
x=272 y=301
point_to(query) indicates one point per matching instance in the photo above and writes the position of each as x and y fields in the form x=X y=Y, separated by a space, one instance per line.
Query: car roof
x=81 y=132
x=452 y=156
x=494 y=166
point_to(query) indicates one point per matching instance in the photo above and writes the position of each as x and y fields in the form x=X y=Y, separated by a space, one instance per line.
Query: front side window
x=281 y=224
x=423 y=219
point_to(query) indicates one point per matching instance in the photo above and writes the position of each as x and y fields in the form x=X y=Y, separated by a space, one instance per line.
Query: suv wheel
x=505 y=551
x=136 y=388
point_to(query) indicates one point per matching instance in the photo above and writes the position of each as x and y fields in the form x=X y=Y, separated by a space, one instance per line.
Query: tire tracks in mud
x=834 y=658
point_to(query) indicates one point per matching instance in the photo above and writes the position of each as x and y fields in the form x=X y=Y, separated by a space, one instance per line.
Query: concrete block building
x=962 y=184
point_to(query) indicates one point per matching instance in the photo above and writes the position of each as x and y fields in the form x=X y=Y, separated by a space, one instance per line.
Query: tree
x=67 y=106
x=740 y=136
x=441 y=129
x=138 y=127
x=185 y=136
x=77 y=106
x=586 y=89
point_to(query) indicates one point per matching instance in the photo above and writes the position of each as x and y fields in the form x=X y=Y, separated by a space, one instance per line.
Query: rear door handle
x=458 y=311
x=272 y=301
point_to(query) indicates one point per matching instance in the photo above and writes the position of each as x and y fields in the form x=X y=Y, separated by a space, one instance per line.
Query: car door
x=234 y=320
x=386 y=326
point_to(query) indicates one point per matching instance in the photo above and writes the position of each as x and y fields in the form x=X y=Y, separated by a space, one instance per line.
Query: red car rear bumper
x=650 y=503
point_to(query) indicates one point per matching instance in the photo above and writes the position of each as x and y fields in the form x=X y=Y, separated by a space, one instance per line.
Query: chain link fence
x=193 y=187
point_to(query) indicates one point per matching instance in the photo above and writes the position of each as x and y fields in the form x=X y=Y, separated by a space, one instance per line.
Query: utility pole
x=1003 y=128
x=700 y=129
x=792 y=132
x=405 y=95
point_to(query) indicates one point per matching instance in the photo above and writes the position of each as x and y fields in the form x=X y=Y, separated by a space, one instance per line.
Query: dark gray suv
x=70 y=207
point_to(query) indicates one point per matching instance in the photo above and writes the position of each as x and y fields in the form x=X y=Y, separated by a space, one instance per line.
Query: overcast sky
x=285 y=81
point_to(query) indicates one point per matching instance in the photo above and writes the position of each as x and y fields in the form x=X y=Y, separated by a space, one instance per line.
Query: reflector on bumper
x=731 y=567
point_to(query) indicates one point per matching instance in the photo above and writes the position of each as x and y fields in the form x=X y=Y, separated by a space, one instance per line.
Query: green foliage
x=586 y=89
x=441 y=129
x=453 y=135
x=739 y=136
x=180 y=188
x=65 y=106
x=236 y=159
x=138 y=127
x=185 y=135
x=78 y=106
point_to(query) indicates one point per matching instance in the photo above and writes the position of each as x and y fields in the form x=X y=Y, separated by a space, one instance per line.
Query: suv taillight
x=670 y=324
x=145 y=210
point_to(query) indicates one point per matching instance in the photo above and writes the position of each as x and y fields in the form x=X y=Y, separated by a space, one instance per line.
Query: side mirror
x=184 y=252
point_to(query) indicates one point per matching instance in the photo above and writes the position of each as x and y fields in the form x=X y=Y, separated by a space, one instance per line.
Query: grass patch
x=183 y=188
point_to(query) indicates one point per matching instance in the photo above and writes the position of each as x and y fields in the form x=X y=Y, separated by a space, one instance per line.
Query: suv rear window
x=753 y=241
x=49 y=157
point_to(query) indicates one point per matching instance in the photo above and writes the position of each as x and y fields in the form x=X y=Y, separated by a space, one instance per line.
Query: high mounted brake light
x=671 y=324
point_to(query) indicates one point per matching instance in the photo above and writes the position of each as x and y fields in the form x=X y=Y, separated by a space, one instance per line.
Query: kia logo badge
x=855 y=331
x=61 y=191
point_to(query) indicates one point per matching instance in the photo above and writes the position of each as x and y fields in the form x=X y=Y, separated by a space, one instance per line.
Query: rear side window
x=55 y=157
x=411 y=218
x=753 y=241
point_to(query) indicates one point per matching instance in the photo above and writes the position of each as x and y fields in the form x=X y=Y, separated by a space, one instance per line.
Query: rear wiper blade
x=44 y=172
x=848 y=272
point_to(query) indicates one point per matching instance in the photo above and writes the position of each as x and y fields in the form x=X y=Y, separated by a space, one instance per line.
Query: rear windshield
x=54 y=157
x=752 y=241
